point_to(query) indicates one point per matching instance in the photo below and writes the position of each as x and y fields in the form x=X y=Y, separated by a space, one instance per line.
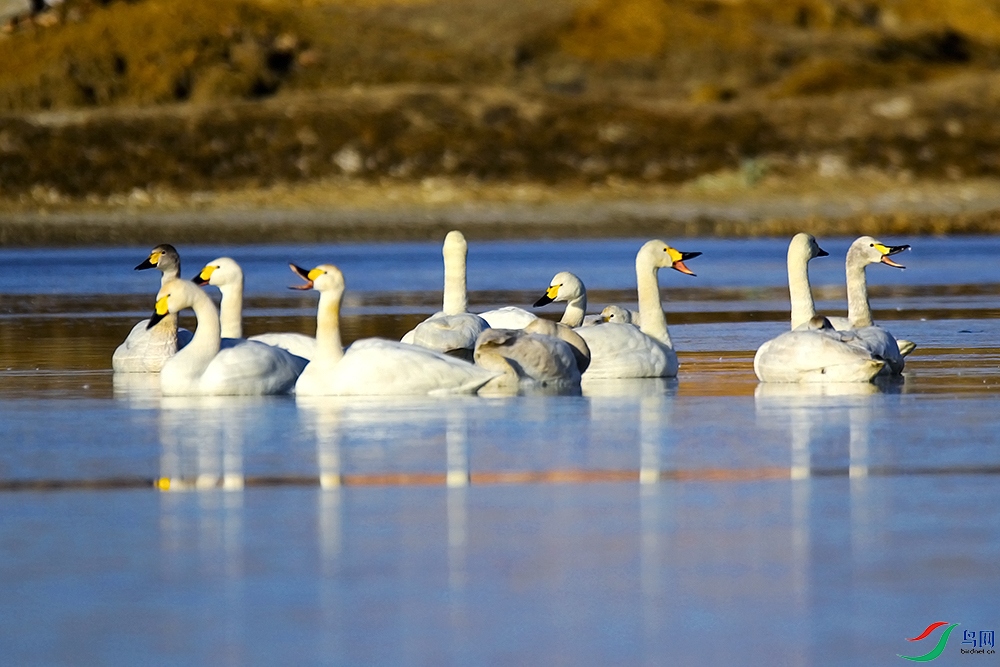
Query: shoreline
x=327 y=212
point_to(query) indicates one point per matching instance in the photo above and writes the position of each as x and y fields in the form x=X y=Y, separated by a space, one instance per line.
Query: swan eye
x=872 y=244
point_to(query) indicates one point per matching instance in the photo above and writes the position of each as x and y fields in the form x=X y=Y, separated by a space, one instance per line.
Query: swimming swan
x=626 y=351
x=812 y=351
x=816 y=352
x=864 y=251
x=528 y=360
x=453 y=330
x=144 y=350
x=247 y=368
x=226 y=274
x=374 y=366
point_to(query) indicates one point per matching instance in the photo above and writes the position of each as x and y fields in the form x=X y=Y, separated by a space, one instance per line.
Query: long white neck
x=203 y=347
x=231 y=309
x=456 y=299
x=799 y=290
x=859 y=311
x=653 y=321
x=575 y=310
x=329 y=348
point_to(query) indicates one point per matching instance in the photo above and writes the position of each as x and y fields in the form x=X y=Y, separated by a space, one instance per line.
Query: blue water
x=703 y=520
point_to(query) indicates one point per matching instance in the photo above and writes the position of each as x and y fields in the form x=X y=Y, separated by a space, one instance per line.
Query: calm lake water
x=703 y=520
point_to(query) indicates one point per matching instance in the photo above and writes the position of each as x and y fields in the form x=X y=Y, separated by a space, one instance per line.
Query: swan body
x=528 y=360
x=450 y=334
x=624 y=351
x=246 y=368
x=146 y=349
x=454 y=329
x=374 y=366
x=904 y=346
x=627 y=351
x=566 y=334
x=226 y=274
x=508 y=317
x=816 y=352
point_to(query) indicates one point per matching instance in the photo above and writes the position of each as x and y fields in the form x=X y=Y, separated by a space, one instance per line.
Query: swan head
x=616 y=314
x=455 y=244
x=220 y=272
x=662 y=256
x=324 y=278
x=174 y=296
x=805 y=245
x=867 y=250
x=820 y=323
x=564 y=286
x=163 y=257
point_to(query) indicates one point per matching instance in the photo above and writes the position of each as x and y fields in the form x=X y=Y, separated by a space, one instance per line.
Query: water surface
x=706 y=519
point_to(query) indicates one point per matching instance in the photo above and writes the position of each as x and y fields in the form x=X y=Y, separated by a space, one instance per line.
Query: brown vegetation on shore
x=130 y=99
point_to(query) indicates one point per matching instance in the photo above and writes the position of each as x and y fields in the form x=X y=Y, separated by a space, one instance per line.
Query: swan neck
x=799 y=290
x=575 y=311
x=456 y=299
x=231 y=310
x=205 y=344
x=329 y=348
x=859 y=311
x=653 y=321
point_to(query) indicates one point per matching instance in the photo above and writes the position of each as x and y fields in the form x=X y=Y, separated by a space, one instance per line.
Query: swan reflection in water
x=815 y=413
x=816 y=417
x=373 y=428
x=202 y=440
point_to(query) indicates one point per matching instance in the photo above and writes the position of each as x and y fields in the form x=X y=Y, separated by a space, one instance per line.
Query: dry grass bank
x=115 y=104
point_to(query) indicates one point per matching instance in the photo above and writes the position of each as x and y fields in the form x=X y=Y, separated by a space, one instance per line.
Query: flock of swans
x=504 y=350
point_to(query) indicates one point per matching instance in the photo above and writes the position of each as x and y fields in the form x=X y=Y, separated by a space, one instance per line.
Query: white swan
x=815 y=352
x=528 y=360
x=453 y=330
x=226 y=274
x=374 y=366
x=812 y=351
x=246 y=368
x=144 y=350
x=864 y=251
x=626 y=351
